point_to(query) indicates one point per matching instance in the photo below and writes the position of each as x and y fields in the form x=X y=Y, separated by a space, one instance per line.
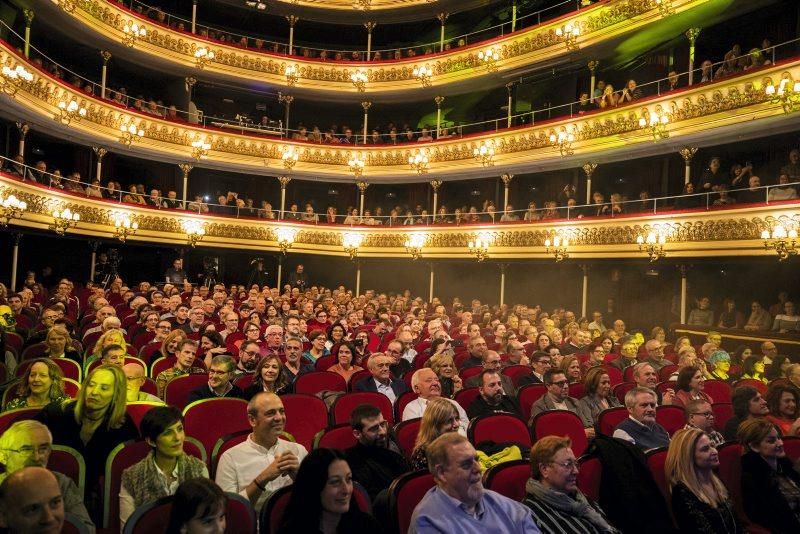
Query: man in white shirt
x=425 y=383
x=264 y=463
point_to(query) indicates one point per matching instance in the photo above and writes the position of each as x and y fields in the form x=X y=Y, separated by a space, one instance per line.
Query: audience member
x=441 y=416
x=700 y=415
x=425 y=384
x=269 y=377
x=343 y=352
x=445 y=368
x=220 y=375
x=783 y=402
x=541 y=362
x=557 y=398
x=747 y=403
x=598 y=395
x=492 y=361
x=690 y=386
x=492 y=398
x=184 y=365
x=134 y=375
x=640 y=428
x=31 y=501
x=382 y=382
x=199 y=506
x=41 y=384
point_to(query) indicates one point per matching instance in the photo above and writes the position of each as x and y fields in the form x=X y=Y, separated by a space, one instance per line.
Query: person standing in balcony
x=713 y=176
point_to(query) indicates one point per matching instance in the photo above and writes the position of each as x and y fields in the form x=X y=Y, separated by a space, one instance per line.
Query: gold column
x=366 y=105
x=284 y=181
x=286 y=100
x=100 y=152
x=23 y=128
x=194 y=16
x=29 y=15
x=692 y=34
x=370 y=25
x=185 y=169
x=509 y=87
x=362 y=188
x=435 y=185
x=438 y=100
x=585 y=291
x=687 y=153
x=506 y=177
x=442 y=17
x=292 y=19
x=588 y=169
x=593 y=70
x=106 y=55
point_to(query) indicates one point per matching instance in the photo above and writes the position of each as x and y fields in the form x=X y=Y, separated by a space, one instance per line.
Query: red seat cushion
x=608 y=420
x=344 y=405
x=305 y=416
x=499 y=428
x=228 y=415
x=509 y=478
x=561 y=423
x=339 y=437
x=318 y=381
x=405 y=493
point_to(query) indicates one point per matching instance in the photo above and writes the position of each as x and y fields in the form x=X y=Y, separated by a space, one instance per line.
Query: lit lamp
x=783 y=241
x=285 y=238
x=195 y=230
x=132 y=31
x=13 y=78
x=203 y=56
x=787 y=93
x=289 y=157
x=129 y=132
x=64 y=220
x=563 y=139
x=557 y=247
x=653 y=245
x=423 y=74
x=69 y=110
x=656 y=121
x=484 y=153
x=419 y=161
x=292 y=73
x=11 y=208
x=414 y=244
x=351 y=241
x=480 y=247
x=359 y=79
x=570 y=33
x=200 y=148
x=489 y=57
x=356 y=164
x=124 y=226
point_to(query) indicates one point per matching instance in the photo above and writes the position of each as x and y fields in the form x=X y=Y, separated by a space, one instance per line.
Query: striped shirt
x=553 y=521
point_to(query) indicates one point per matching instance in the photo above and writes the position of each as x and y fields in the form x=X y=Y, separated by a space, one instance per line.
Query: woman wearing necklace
x=700 y=501
x=93 y=424
x=164 y=468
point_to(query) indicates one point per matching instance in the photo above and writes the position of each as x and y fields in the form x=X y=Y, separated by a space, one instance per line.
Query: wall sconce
x=11 y=208
x=787 y=93
x=423 y=74
x=130 y=132
x=656 y=121
x=203 y=56
x=480 y=246
x=285 y=237
x=289 y=156
x=783 y=241
x=484 y=153
x=292 y=73
x=200 y=148
x=64 y=220
x=351 y=241
x=356 y=164
x=557 y=247
x=419 y=161
x=70 y=110
x=489 y=57
x=132 y=32
x=563 y=139
x=653 y=245
x=13 y=78
x=570 y=32
x=359 y=79
x=124 y=225
x=414 y=244
x=195 y=230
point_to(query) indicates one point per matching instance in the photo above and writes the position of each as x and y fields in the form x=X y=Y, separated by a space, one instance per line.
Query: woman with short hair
x=690 y=386
x=444 y=366
x=598 y=395
x=199 y=507
x=343 y=352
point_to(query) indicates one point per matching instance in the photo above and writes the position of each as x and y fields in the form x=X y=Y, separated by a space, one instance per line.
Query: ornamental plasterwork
x=264 y=66
x=738 y=229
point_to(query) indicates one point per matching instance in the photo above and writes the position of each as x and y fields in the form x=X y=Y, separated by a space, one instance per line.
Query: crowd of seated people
x=443 y=368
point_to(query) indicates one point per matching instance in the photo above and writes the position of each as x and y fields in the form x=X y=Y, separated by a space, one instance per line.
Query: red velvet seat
x=338 y=437
x=152 y=517
x=176 y=393
x=655 y=462
x=590 y=470
x=608 y=420
x=561 y=423
x=344 y=405
x=718 y=390
x=614 y=375
x=528 y=395
x=39 y=350
x=149 y=386
x=401 y=403
x=791 y=444
x=161 y=364
x=227 y=414
x=723 y=411
x=666 y=372
x=358 y=377
x=223 y=444
x=730 y=473
x=753 y=383
x=70 y=368
x=465 y=397
x=672 y=418
x=499 y=428
x=405 y=493
x=577 y=390
x=274 y=509
x=147 y=352
x=128 y=359
x=136 y=410
x=627 y=374
x=469 y=372
x=245 y=381
x=10 y=417
x=305 y=416
x=322 y=364
x=317 y=381
x=69 y=462
x=516 y=372
x=621 y=389
x=508 y=479
x=406 y=434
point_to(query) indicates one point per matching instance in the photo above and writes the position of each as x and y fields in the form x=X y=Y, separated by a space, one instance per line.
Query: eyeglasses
x=561 y=383
x=252 y=354
x=27 y=450
x=569 y=464
x=212 y=372
x=707 y=415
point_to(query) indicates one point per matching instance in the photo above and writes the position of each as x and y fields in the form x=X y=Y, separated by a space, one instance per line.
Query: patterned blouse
x=22 y=402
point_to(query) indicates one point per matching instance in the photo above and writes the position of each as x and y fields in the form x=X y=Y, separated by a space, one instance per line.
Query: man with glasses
x=557 y=398
x=197 y=318
x=134 y=372
x=294 y=365
x=769 y=350
x=640 y=428
x=381 y=382
x=184 y=365
x=220 y=381
x=700 y=415
x=249 y=356
x=400 y=366
x=274 y=337
x=541 y=362
x=655 y=355
x=28 y=444
x=493 y=362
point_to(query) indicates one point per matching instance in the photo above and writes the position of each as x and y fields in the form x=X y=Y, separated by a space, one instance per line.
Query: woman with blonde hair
x=42 y=383
x=59 y=344
x=114 y=336
x=440 y=417
x=700 y=501
x=169 y=347
x=572 y=369
x=445 y=368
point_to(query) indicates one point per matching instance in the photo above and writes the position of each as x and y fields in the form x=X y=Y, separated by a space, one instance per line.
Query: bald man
x=30 y=501
x=134 y=372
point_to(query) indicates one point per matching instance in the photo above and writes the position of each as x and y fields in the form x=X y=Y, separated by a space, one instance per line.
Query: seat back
x=136 y=410
x=69 y=462
x=608 y=420
x=223 y=444
x=344 y=405
x=406 y=434
x=621 y=389
x=239 y=514
x=228 y=415
x=577 y=390
x=718 y=390
x=273 y=510
x=317 y=381
x=129 y=358
x=161 y=364
x=305 y=416
x=508 y=479
x=499 y=428
x=515 y=372
x=723 y=411
x=589 y=473
x=70 y=368
x=10 y=417
x=665 y=372
x=655 y=462
x=73 y=524
x=614 y=375
x=465 y=397
x=529 y=394
x=401 y=403
x=561 y=423
x=469 y=372
x=791 y=444
x=323 y=363
x=760 y=386
x=32 y=352
x=71 y=387
x=338 y=437
x=177 y=390
x=672 y=418
x=405 y=493
x=150 y=518
x=357 y=377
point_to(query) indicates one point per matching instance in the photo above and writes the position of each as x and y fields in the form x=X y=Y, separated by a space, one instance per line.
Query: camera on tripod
x=210 y=270
x=111 y=267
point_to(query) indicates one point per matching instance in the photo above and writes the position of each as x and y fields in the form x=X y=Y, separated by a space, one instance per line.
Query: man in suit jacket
x=491 y=361
x=557 y=398
x=627 y=355
x=381 y=381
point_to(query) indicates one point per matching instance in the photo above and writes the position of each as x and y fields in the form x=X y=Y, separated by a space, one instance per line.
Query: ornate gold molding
x=521 y=48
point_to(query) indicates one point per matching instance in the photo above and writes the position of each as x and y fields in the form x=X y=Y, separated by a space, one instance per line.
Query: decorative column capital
x=185 y=168
x=510 y=86
x=366 y=105
x=362 y=186
x=442 y=17
x=687 y=153
x=589 y=168
x=190 y=81
x=692 y=34
x=370 y=25
x=438 y=100
x=23 y=128
x=593 y=64
x=684 y=270
x=585 y=269
x=99 y=151
x=106 y=55
x=292 y=20
x=94 y=244
x=506 y=177
x=285 y=99
x=29 y=16
x=284 y=181
x=435 y=185
x=16 y=237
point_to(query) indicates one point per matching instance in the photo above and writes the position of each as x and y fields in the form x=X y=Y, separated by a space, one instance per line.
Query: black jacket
x=693 y=515
x=761 y=494
x=375 y=467
x=204 y=392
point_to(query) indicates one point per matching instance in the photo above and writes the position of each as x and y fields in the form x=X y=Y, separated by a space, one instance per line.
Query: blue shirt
x=439 y=512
